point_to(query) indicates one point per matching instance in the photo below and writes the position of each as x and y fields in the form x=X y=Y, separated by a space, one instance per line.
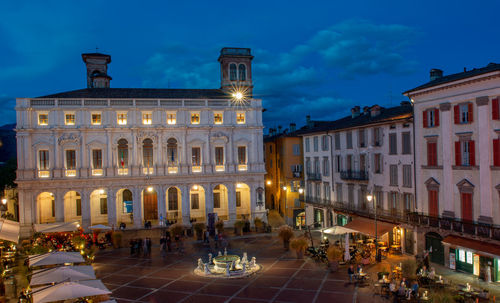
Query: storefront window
x=469 y=257
x=461 y=255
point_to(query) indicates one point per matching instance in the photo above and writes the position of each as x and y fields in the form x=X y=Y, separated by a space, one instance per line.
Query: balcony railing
x=357 y=175
x=314 y=176
x=315 y=200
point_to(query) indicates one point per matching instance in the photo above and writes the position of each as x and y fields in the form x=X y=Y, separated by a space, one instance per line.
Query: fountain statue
x=225 y=251
x=207 y=269
x=220 y=254
x=252 y=262
x=210 y=258
x=228 y=274
x=200 y=264
x=227 y=266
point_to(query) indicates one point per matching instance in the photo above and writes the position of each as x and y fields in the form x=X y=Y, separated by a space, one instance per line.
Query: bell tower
x=236 y=70
x=97 y=69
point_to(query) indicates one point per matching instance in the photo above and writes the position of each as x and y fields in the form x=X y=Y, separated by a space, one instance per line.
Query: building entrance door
x=435 y=247
x=150 y=206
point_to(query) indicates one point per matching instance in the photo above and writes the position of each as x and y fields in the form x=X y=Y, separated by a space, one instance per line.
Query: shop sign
x=452 y=261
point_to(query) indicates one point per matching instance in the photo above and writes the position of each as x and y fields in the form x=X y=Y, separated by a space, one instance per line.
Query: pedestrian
x=145 y=247
x=161 y=220
x=216 y=240
x=132 y=246
x=426 y=257
x=169 y=243
x=207 y=236
x=149 y=244
x=350 y=272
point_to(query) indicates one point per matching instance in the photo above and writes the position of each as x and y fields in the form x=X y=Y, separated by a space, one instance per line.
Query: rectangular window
x=338 y=161
x=70 y=159
x=393 y=175
x=350 y=194
x=147 y=118
x=219 y=155
x=240 y=118
x=407 y=176
x=238 y=199
x=431 y=118
x=377 y=136
x=69 y=119
x=348 y=161
x=43 y=159
x=316 y=143
x=431 y=153
x=348 y=139
x=217 y=118
x=324 y=143
x=171 y=118
x=316 y=166
x=43 y=119
x=362 y=162
x=96 y=119
x=406 y=142
x=104 y=206
x=337 y=141
x=216 y=200
x=97 y=158
x=326 y=189
x=377 y=167
x=195 y=118
x=242 y=155
x=461 y=255
x=340 y=198
x=326 y=166
x=361 y=138
x=379 y=197
x=464 y=113
x=196 y=156
x=296 y=149
x=307 y=143
x=393 y=144
x=195 y=201
x=121 y=118
x=308 y=165
x=465 y=153
x=318 y=190
x=78 y=206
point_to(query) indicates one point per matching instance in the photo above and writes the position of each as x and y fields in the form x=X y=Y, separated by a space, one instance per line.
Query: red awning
x=475 y=245
x=367 y=226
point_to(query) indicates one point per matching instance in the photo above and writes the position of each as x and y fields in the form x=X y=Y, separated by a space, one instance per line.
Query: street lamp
x=369 y=197
x=4 y=201
x=301 y=191
x=268 y=182
x=286 y=213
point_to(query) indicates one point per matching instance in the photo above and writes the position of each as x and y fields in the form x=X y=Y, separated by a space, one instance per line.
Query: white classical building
x=457 y=133
x=370 y=151
x=112 y=155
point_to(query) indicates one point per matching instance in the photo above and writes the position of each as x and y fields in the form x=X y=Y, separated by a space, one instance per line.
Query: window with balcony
x=338 y=161
x=196 y=159
x=361 y=138
x=496 y=152
x=70 y=162
x=173 y=197
x=377 y=167
x=340 y=197
x=432 y=153
x=317 y=169
x=307 y=143
x=407 y=176
x=195 y=118
x=406 y=143
x=465 y=153
x=69 y=119
x=240 y=118
x=433 y=202
x=219 y=158
x=430 y=117
x=121 y=118
x=317 y=190
x=327 y=191
x=463 y=113
x=171 y=118
x=147 y=118
x=324 y=143
x=316 y=143
x=348 y=139
x=122 y=157
x=377 y=136
x=218 y=118
x=97 y=162
x=43 y=163
x=393 y=179
x=326 y=166
x=242 y=158
x=43 y=119
x=393 y=144
x=337 y=141
x=147 y=156
x=172 y=160
x=96 y=119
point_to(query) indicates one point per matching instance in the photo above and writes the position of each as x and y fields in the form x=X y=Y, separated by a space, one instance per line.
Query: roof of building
x=141 y=93
x=458 y=76
x=386 y=114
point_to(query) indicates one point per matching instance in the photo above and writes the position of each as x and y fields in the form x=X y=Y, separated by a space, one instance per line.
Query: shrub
x=409 y=269
x=219 y=226
x=239 y=224
x=299 y=244
x=199 y=227
x=334 y=254
x=285 y=232
x=78 y=242
x=275 y=219
x=117 y=239
x=176 y=229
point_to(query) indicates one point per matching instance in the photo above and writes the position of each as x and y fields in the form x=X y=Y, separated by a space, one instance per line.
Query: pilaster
x=86 y=214
x=137 y=206
x=231 y=202
x=186 y=214
x=59 y=205
x=209 y=199
x=111 y=194
x=446 y=155
x=484 y=151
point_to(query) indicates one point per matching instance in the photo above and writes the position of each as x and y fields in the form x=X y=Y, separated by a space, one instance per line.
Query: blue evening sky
x=311 y=57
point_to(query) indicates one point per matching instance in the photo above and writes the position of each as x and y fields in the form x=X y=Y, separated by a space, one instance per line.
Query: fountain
x=227 y=266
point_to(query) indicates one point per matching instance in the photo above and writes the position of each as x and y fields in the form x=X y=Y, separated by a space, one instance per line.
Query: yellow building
x=284 y=175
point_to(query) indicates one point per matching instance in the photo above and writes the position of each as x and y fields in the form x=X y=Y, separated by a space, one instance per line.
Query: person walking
x=169 y=242
x=350 y=272
x=149 y=244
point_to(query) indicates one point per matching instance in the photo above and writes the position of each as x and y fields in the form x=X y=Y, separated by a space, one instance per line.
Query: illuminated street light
x=101 y=191
x=195 y=187
x=238 y=95
x=4 y=201
x=150 y=189
x=369 y=198
x=301 y=191
x=284 y=187
x=268 y=182
x=238 y=185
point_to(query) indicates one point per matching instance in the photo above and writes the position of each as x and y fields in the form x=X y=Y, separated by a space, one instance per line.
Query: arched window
x=123 y=153
x=242 y=70
x=172 y=152
x=147 y=153
x=232 y=72
x=127 y=201
x=172 y=199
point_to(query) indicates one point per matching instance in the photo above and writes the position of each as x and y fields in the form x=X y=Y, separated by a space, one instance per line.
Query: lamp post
x=286 y=214
x=369 y=197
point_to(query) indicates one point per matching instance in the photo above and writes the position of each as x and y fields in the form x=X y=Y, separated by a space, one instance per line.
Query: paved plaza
x=171 y=279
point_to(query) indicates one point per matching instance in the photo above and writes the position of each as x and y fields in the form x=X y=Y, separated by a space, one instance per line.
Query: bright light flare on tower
x=239 y=95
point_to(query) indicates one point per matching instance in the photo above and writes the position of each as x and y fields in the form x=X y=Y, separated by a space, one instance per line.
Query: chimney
x=436 y=74
x=292 y=127
x=355 y=111
x=375 y=110
x=366 y=110
x=308 y=121
x=279 y=129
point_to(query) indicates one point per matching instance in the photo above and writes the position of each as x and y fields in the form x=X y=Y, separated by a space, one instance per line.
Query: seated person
x=392 y=286
x=432 y=273
x=414 y=288
x=484 y=294
x=402 y=290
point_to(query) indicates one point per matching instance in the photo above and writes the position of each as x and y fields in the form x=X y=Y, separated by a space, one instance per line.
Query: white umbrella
x=69 y=290
x=100 y=226
x=9 y=230
x=347 y=255
x=57 y=227
x=338 y=230
x=63 y=273
x=54 y=258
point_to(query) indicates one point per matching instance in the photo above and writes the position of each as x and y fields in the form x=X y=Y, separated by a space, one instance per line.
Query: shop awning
x=338 y=230
x=9 y=230
x=57 y=227
x=367 y=226
x=475 y=245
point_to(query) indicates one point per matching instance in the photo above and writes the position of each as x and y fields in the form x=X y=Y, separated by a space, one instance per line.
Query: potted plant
x=275 y=219
x=299 y=245
x=285 y=232
x=219 y=226
x=258 y=224
x=176 y=229
x=117 y=239
x=198 y=228
x=238 y=227
x=334 y=255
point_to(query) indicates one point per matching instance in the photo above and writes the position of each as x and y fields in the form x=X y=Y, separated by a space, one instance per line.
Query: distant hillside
x=7 y=142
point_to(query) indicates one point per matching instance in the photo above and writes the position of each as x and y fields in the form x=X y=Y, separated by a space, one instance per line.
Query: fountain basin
x=222 y=261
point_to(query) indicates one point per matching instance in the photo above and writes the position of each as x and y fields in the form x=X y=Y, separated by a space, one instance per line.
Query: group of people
x=140 y=247
x=354 y=273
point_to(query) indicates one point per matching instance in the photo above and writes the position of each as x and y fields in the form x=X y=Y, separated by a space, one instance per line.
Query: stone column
x=484 y=152
x=86 y=214
x=186 y=207
x=231 y=202
x=446 y=154
x=111 y=193
x=209 y=200
x=137 y=206
x=162 y=204
x=59 y=204
x=253 y=202
x=109 y=155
